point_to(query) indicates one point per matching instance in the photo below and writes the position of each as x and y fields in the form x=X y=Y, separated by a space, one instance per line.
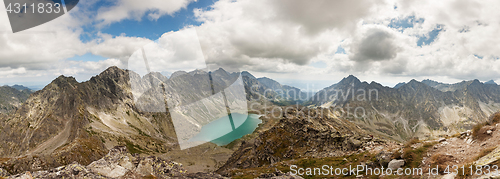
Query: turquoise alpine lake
x=217 y=133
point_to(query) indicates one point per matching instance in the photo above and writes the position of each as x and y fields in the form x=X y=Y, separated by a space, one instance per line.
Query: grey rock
x=113 y=165
x=4 y=173
x=145 y=167
x=449 y=176
x=395 y=164
x=383 y=158
x=356 y=144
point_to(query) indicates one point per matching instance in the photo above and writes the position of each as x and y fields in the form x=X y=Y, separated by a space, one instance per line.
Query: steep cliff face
x=424 y=109
x=11 y=98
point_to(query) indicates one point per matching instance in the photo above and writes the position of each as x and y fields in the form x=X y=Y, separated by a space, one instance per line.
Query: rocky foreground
x=305 y=142
x=119 y=163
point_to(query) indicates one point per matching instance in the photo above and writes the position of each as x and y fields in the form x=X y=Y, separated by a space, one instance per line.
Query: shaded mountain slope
x=425 y=109
x=284 y=92
x=11 y=98
x=69 y=121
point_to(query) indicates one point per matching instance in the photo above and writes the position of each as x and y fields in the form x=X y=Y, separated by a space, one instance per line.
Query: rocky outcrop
x=302 y=132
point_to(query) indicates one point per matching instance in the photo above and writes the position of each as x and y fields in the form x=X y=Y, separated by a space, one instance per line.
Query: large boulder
x=115 y=164
x=395 y=164
x=354 y=144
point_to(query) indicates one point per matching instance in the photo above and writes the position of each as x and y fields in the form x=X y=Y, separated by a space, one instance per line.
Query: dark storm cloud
x=318 y=15
x=377 y=45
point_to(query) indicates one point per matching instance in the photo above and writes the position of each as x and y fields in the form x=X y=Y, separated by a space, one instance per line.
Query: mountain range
x=413 y=109
x=69 y=121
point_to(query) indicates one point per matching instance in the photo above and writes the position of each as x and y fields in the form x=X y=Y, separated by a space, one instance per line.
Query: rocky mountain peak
x=428 y=81
x=491 y=82
x=63 y=82
x=198 y=72
x=247 y=74
x=155 y=75
x=374 y=84
x=476 y=82
x=416 y=85
x=399 y=85
x=221 y=70
x=270 y=83
x=220 y=73
x=349 y=80
x=177 y=73
x=63 y=78
x=20 y=87
x=115 y=73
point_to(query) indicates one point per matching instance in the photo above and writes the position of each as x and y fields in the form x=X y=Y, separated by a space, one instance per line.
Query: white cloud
x=315 y=17
x=174 y=51
x=9 y=72
x=99 y=66
x=283 y=38
x=117 y=47
x=39 y=47
x=240 y=33
x=135 y=10
x=36 y=56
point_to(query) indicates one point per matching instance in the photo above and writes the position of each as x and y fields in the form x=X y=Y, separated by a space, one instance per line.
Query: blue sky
x=145 y=28
x=151 y=29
